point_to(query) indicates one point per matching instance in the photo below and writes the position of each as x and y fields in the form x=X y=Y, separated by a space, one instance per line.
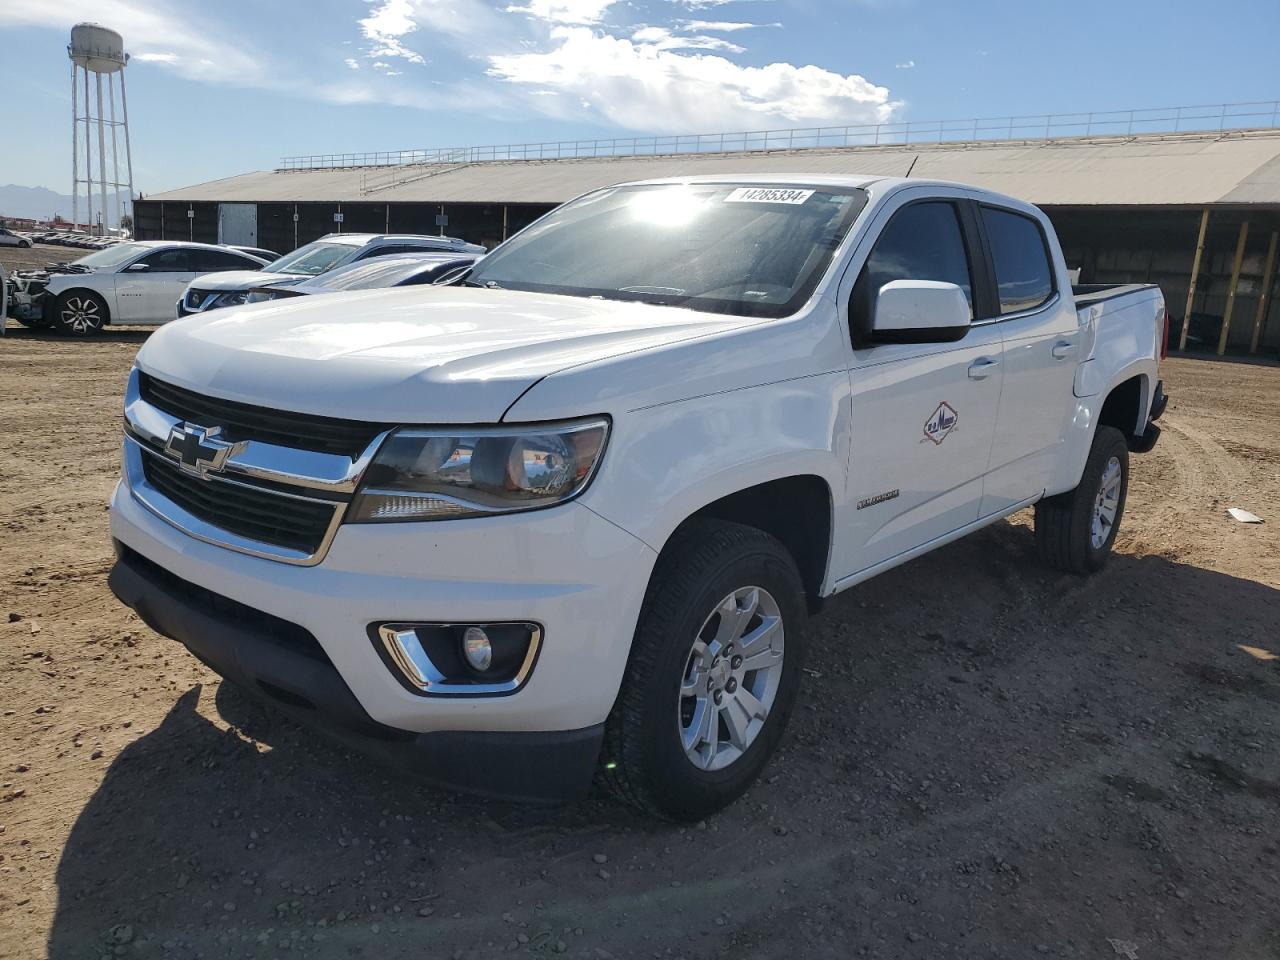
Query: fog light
x=477 y=649
x=459 y=659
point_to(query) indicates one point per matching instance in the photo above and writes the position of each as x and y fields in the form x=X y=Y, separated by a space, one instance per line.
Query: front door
x=147 y=295
x=923 y=414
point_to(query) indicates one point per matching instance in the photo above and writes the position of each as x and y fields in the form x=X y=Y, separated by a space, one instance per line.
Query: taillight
x=1164 y=340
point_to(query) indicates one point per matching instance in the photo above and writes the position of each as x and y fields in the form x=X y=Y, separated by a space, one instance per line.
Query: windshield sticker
x=768 y=195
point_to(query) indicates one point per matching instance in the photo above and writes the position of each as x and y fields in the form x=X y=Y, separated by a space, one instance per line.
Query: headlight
x=232 y=298
x=258 y=296
x=445 y=474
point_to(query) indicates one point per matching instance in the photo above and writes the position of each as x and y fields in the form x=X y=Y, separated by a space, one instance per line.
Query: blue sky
x=218 y=88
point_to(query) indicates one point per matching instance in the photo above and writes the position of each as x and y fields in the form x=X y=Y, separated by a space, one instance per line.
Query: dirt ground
x=992 y=760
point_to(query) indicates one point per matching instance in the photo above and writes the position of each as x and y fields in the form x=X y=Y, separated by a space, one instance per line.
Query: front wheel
x=1076 y=530
x=713 y=674
x=80 y=313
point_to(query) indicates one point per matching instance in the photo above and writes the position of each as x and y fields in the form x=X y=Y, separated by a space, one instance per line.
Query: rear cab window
x=1020 y=258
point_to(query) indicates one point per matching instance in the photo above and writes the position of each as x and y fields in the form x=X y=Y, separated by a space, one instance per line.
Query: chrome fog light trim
x=449 y=669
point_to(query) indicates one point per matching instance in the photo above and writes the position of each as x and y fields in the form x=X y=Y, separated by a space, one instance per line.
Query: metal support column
x=75 y=149
x=128 y=147
x=1195 y=275
x=504 y=222
x=386 y=226
x=102 y=161
x=1264 y=300
x=88 y=162
x=1241 y=240
x=115 y=155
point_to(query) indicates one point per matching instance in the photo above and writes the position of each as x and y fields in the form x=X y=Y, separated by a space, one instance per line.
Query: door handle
x=1062 y=349
x=982 y=368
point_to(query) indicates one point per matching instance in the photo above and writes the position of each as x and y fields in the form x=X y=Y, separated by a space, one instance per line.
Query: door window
x=1024 y=277
x=922 y=241
x=177 y=260
x=214 y=261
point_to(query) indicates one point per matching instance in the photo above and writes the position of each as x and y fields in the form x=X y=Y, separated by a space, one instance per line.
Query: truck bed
x=1087 y=294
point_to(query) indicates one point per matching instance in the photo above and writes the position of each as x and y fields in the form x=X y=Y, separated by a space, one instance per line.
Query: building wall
x=277 y=229
x=1108 y=244
x=1158 y=246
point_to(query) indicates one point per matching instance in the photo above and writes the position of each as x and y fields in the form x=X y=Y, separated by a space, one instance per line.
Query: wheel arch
x=1125 y=406
x=797 y=510
x=102 y=297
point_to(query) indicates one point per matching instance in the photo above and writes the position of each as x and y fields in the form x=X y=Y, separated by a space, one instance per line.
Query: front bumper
x=280 y=662
x=579 y=576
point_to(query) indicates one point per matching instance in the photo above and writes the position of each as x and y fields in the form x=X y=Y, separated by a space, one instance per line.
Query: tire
x=80 y=313
x=1065 y=530
x=707 y=565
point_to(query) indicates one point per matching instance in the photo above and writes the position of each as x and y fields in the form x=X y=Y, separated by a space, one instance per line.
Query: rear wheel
x=80 y=313
x=713 y=674
x=1076 y=530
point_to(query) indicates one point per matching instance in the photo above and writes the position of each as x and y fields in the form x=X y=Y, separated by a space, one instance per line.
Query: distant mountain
x=41 y=203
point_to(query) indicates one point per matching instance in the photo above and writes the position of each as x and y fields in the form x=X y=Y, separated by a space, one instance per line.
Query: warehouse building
x=1196 y=212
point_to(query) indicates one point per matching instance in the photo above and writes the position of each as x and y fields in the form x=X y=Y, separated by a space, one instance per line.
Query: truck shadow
x=1043 y=697
x=106 y=337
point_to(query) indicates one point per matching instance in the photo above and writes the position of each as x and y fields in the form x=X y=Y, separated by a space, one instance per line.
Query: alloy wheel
x=80 y=315
x=731 y=678
x=1107 y=503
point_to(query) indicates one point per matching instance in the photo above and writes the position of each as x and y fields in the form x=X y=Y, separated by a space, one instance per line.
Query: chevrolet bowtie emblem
x=198 y=449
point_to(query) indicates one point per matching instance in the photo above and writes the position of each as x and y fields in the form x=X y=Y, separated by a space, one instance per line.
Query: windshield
x=753 y=250
x=370 y=274
x=111 y=256
x=311 y=259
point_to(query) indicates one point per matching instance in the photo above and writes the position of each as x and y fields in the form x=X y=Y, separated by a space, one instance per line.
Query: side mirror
x=138 y=267
x=920 y=311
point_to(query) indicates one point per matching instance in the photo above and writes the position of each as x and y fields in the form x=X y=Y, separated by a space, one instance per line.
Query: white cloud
x=184 y=41
x=662 y=38
x=638 y=84
x=905 y=65
x=389 y=21
x=565 y=11
x=352 y=63
x=720 y=26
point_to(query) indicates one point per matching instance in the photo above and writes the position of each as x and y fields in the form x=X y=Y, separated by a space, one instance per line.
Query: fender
x=1084 y=421
x=668 y=462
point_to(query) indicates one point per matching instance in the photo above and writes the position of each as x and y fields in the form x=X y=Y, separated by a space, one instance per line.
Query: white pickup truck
x=573 y=513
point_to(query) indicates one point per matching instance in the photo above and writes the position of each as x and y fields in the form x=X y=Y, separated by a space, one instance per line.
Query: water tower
x=98 y=51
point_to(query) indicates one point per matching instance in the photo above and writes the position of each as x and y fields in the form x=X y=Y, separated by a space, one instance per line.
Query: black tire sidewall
x=685 y=790
x=1108 y=443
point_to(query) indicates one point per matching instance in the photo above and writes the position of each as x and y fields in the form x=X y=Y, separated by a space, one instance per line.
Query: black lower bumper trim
x=1146 y=441
x=283 y=664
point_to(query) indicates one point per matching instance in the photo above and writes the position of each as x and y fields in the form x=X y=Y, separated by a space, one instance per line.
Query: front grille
x=244 y=421
x=249 y=512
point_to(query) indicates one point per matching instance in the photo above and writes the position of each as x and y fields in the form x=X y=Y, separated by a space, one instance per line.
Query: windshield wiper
x=483 y=285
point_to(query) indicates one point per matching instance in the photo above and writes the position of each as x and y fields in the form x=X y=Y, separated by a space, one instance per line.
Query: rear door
x=924 y=413
x=1041 y=338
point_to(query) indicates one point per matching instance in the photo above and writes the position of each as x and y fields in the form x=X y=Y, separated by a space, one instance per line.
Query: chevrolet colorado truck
x=572 y=513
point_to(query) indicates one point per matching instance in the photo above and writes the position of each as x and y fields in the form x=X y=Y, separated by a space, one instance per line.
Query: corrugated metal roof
x=1160 y=170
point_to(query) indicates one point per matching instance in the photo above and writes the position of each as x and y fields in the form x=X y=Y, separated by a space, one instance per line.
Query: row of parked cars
x=152 y=281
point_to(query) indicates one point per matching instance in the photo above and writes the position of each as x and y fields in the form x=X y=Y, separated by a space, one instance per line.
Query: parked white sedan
x=129 y=283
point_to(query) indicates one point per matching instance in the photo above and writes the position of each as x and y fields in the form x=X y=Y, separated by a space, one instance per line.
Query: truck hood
x=408 y=355
x=245 y=279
